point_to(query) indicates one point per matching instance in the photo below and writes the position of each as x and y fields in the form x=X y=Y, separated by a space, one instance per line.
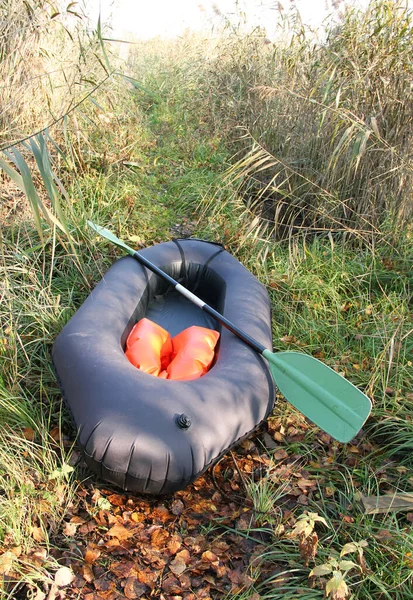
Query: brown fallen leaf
x=197 y=544
x=209 y=579
x=6 y=562
x=244 y=522
x=123 y=569
x=92 y=554
x=171 y=585
x=177 y=566
x=17 y=550
x=38 y=556
x=87 y=528
x=177 y=507
x=69 y=529
x=137 y=517
x=159 y=537
x=279 y=454
x=219 y=547
x=117 y=499
x=55 y=434
x=119 y=531
x=87 y=573
x=220 y=569
x=102 y=584
x=185 y=581
x=161 y=513
x=28 y=433
x=174 y=544
x=134 y=588
x=38 y=534
x=268 y=441
x=209 y=556
x=149 y=577
x=304 y=484
x=240 y=580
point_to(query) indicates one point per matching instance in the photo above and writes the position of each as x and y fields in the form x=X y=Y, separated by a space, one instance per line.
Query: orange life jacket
x=188 y=355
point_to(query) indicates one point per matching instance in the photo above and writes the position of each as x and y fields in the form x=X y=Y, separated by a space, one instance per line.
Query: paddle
x=321 y=394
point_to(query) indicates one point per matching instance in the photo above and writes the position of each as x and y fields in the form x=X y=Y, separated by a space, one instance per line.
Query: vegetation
x=298 y=155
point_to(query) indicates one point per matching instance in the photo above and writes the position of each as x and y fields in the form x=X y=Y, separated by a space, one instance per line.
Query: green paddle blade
x=111 y=237
x=321 y=394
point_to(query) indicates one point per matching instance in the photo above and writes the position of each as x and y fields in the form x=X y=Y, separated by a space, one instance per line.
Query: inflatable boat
x=151 y=435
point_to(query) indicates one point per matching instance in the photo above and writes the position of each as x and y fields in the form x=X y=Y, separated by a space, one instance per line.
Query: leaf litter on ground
x=202 y=542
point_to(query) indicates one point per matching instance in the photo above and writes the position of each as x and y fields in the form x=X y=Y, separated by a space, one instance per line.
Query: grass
x=157 y=159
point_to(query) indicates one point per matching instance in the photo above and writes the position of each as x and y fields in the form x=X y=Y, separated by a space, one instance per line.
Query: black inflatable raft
x=143 y=433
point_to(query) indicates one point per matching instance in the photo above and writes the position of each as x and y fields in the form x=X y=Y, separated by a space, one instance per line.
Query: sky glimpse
x=145 y=19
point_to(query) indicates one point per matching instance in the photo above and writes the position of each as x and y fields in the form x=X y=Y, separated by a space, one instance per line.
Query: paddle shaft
x=321 y=394
x=205 y=307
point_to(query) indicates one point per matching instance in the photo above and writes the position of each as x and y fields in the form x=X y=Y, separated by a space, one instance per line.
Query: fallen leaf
x=279 y=454
x=17 y=550
x=102 y=584
x=120 y=532
x=220 y=569
x=244 y=523
x=209 y=556
x=137 y=517
x=159 y=537
x=28 y=433
x=268 y=441
x=92 y=554
x=63 y=576
x=149 y=577
x=55 y=434
x=123 y=569
x=174 y=543
x=185 y=581
x=38 y=556
x=6 y=562
x=117 y=499
x=134 y=588
x=303 y=484
x=38 y=534
x=87 y=528
x=384 y=535
x=177 y=507
x=161 y=513
x=69 y=529
x=178 y=565
x=171 y=585
x=184 y=554
x=288 y=339
x=88 y=573
x=219 y=547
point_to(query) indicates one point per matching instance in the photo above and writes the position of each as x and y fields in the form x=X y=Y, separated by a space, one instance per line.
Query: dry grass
x=48 y=62
x=321 y=132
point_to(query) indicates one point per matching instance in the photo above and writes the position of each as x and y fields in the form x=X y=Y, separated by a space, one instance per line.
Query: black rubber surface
x=127 y=419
